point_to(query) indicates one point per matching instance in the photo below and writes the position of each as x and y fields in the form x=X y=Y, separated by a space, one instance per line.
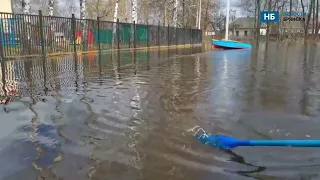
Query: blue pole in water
x=226 y=142
x=293 y=143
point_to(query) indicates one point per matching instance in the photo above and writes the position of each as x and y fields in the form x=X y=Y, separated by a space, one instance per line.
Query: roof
x=245 y=23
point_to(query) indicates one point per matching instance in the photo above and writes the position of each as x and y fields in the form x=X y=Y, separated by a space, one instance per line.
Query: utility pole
x=227 y=20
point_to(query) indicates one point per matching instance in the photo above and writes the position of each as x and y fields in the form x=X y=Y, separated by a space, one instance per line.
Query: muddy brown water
x=104 y=117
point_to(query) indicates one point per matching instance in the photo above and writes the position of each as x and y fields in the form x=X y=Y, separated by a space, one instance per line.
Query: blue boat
x=226 y=43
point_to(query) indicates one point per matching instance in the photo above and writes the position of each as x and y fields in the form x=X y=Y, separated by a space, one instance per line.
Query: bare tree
x=175 y=13
x=83 y=23
x=115 y=18
x=124 y=11
x=134 y=11
x=248 y=7
x=82 y=9
x=218 y=22
x=258 y=7
x=26 y=6
x=209 y=8
x=317 y=21
x=50 y=7
x=99 y=8
x=134 y=19
x=268 y=24
x=306 y=24
x=33 y=7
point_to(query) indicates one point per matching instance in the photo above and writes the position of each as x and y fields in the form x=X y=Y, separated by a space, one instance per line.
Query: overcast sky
x=233 y=5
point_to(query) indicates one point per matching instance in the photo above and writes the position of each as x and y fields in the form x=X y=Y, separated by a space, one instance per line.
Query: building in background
x=6 y=6
x=244 y=27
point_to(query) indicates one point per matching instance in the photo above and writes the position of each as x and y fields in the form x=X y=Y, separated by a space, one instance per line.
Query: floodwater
x=128 y=117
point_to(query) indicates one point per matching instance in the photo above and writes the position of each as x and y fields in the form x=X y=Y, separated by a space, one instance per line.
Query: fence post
x=99 y=43
x=134 y=34
x=3 y=74
x=192 y=37
x=73 y=27
x=168 y=31
x=118 y=35
x=158 y=34
x=43 y=52
x=1 y=44
x=148 y=35
x=184 y=35
x=177 y=36
x=190 y=34
x=130 y=36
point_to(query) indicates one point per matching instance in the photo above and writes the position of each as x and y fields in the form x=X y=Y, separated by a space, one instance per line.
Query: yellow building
x=6 y=6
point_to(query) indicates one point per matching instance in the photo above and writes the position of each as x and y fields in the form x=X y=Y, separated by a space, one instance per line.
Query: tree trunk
x=183 y=13
x=280 y=26
x=200 y=14
x=134 y=18
x=51 y=35
x=290 y=6
x=26 y=38
x=268 y=24
x=83 y=24
x=306 y=25
x=258 y=22
x=313 y=18
x=317 y=20
x=206 y=17
x=50 y=7
x=290 y=28
x=255 y=19
x=146 y=13
x=165 y=15
x=25 y=6
x=175 y=13
x=134 y=11
x=115 y=17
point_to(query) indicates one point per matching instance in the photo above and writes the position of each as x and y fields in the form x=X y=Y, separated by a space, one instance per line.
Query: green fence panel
x=105 y=36
x=142 y=33
x=125 y=34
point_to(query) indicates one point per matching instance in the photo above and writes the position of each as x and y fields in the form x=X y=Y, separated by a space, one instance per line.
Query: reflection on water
x=127 y=115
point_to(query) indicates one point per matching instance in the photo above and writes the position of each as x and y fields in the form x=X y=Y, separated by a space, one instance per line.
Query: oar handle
x=293 y=143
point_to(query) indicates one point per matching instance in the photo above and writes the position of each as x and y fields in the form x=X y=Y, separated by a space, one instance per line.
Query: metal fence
x=27 y=35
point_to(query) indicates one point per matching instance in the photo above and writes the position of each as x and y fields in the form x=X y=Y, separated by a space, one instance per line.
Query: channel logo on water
x=274 y=16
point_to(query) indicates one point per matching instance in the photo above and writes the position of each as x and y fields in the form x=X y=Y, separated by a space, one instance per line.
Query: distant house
x=293 y=27
x=244 y=26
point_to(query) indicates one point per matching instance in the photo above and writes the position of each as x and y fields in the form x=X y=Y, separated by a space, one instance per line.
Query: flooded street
x=127 y=117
